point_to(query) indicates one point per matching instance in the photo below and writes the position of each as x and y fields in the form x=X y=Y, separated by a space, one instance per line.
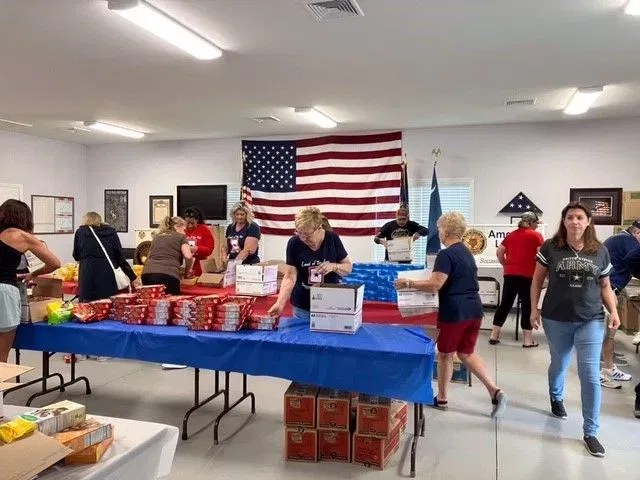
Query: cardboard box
x=334 y=408
x=56 y=417
x=24 y=459
x=211 y=278
x=189 y=282
x=337 y=298
x=630 y=207
x=84 y=435
x=93 y=454
x=410 y=297
x=376 y=416
x=46 y=290
x=334 y=445
x=301 y=444
x=632 y=320
x=257 y=273
x=9 y=371
x=376 y=452
x=399 y=249
x=335 y=322
x=256 y=288
x=300 y=405
x=489 y=292
x=460 y=372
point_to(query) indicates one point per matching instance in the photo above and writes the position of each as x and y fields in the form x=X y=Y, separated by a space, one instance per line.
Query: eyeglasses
x=306 y=234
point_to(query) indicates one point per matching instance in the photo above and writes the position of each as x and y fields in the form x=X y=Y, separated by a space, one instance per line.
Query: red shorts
x=458 y=337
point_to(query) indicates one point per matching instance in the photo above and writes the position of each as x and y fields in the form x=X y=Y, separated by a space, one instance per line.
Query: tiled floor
x=462 y=443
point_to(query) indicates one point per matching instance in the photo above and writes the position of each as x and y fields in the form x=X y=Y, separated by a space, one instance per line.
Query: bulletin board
x=52 y=215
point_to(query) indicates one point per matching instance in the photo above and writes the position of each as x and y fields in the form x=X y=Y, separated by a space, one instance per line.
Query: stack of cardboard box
x=260 y=279
x=399 y=249
x=336 y=307
x=338 y=426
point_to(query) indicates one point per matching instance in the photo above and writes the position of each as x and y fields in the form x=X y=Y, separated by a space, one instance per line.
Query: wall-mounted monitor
x=211 y=199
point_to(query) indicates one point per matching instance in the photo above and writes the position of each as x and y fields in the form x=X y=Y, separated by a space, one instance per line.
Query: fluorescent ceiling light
x=15 y=123
x=105 y=127
x=632 y=8
x=165 y=27
x=317 y=117
x=582 y=100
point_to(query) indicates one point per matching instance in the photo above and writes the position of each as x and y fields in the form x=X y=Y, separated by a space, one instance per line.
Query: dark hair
x=591 y=242
x=326 y=226
x=16 y=214
x=194 y=212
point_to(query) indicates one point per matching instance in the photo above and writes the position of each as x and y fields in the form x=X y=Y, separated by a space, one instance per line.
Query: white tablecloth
x=140 y=451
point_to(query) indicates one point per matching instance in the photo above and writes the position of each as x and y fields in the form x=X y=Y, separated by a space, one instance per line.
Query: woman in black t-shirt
x=242 y=236
x=314 y=255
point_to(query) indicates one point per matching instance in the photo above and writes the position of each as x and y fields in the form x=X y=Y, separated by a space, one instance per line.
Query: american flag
x=354 y=180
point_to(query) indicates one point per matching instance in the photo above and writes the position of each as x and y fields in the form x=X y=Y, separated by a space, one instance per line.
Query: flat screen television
x=211 y=199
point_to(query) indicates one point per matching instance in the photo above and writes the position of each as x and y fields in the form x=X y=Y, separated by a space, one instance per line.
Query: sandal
x=494 y=342
x=440 y=404
x=531 y=345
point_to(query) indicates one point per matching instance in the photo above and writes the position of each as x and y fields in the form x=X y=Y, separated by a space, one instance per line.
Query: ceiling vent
x=269 y=119
x=527 y=102
x=332 y=9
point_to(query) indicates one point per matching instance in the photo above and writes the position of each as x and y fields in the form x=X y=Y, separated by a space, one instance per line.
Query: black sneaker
x=593 y=446
x=557 y=408
x=636 y=409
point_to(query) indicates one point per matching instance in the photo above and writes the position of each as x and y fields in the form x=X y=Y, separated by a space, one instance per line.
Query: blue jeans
x=587 y=339
x=301 y=313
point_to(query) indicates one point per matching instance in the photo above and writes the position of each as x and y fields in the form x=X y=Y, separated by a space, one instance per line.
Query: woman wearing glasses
x=314 y=255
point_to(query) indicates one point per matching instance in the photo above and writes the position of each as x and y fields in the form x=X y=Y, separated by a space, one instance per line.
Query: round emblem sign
x=475 y=240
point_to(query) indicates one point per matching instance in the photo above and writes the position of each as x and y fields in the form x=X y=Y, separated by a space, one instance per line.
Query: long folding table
x=389 y=360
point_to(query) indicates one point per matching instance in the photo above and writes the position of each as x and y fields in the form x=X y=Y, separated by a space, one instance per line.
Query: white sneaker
x=103 y=359
x=607 y=382
x=616 y=374
x=172 y=366
x=636 y=339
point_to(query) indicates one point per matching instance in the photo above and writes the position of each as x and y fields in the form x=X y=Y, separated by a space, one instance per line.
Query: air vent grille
x=332 y=9
x=521 y=103
x=269 y=119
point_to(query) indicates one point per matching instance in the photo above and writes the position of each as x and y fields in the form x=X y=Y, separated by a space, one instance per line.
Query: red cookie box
x=101 y=308
x=300 y=405
x=334 y=445
x=124 y=298
x=264 y=318
x=301 y=444
x=376 y=452
x=334 y=409
x=209 y=299
x=149 y=292
x=376 y=415
x=84 y=312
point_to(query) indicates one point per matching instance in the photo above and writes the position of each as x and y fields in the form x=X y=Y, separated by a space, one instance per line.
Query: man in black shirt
x=400 y=227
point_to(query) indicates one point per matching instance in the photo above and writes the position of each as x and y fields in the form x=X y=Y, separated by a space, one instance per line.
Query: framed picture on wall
x=160 y=206
x=605 y=203
x=116 y=209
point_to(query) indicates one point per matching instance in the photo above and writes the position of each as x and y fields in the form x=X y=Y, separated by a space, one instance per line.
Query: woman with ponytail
x=169 y=249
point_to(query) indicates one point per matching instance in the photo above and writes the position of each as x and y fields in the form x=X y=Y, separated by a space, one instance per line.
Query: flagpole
x=242 y=185
x=431 y=257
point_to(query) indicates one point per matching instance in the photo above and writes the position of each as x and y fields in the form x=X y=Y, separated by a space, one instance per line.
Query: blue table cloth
x=389 y=360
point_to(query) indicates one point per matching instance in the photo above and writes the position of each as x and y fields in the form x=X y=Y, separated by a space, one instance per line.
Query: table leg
x=42 y=379
x=227 y=407
x=45 y=370
x=418 y=431
x=196 y=399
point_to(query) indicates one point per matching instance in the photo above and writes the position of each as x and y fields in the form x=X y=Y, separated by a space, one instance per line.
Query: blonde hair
x=453 y=224
x=243 y=207
x=169 y=224
x=92 y=219
x=310 y=218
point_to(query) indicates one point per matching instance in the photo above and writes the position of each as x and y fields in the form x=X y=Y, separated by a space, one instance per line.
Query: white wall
x=46 y=167
x=543 y=160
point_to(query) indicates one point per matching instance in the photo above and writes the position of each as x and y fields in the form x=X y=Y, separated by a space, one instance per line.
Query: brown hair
x=326 y=226
x=16 y=214
x=591 y=242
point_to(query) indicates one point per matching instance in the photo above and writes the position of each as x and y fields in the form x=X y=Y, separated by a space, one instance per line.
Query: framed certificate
x=160 y=206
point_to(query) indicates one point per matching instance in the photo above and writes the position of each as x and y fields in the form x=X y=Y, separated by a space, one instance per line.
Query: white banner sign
x=484 y=240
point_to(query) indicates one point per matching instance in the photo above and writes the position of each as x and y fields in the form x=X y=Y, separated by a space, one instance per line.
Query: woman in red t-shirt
x=199 y=238
x=517 y=254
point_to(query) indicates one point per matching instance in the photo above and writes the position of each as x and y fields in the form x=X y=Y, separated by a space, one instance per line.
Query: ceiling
x=405 y=64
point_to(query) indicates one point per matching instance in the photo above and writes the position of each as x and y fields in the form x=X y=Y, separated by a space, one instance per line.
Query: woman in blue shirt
x=242 y=236
x=314 y=255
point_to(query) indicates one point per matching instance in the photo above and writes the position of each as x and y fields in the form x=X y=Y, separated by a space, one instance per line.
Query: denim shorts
x=10 y=308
